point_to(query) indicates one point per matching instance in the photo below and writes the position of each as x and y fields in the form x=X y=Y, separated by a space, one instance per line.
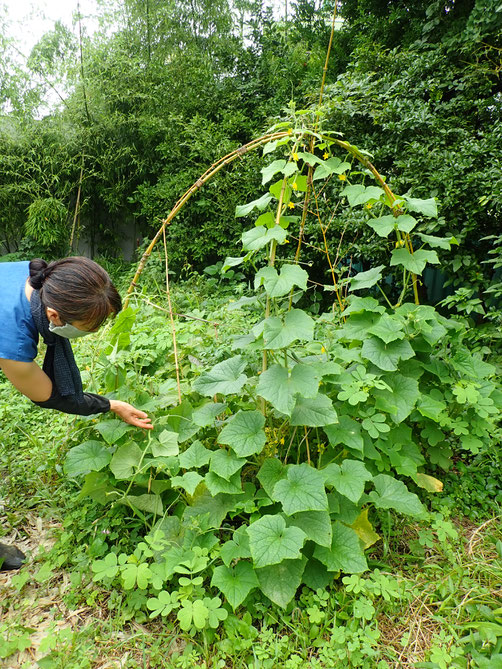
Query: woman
x=61 y=300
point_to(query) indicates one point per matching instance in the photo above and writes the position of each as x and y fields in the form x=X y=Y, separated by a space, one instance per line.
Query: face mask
x=69 y=331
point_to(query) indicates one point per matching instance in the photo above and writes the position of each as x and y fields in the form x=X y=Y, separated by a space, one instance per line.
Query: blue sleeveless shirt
x=18 y=334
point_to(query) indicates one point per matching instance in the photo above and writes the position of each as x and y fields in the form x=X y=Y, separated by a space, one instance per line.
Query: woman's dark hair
x=77 y=288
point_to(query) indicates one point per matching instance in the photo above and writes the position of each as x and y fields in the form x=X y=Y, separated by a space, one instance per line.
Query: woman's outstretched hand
x=130 y=414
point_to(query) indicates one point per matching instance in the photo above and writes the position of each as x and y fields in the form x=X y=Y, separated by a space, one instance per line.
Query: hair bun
x=37 y=273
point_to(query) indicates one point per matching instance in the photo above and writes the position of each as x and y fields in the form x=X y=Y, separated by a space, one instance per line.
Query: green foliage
x=46 y=222
x=301 y=432
x=404 y=87
x=313 y=425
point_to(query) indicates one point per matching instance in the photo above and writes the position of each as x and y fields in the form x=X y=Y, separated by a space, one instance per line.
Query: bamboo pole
x=77 y=204
x=216 y=167
x=171 y=318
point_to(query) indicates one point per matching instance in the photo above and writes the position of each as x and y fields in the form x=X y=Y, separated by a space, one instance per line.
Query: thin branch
x=173 y=328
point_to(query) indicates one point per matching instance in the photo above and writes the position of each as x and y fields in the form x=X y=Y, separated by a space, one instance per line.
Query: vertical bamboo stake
x=310 y=170
x=77 y=205
x=173 y=328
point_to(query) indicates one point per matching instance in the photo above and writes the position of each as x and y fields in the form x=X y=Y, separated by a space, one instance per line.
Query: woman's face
x=54 y=318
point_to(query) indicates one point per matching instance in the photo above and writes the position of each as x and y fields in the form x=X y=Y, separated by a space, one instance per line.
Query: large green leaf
x=189 y=481
x=358 y=304
x=277 y=188
x=384 y=225
x=235 y=582
x=179 y=420
x=309 y=158
x=301 y=490
x=346 y=432
x=366 y=279
x=359 y=194
x=386 y=356
x=273 y=385
x=297 y=325
x=431 y=407
x=280 y=388
x=331 y=166
x=471 y=365
x=426 y=207
x=165 y=445
x=257 y=238
x=316 y=576
x=314 y=412
x=414 y=262
x=315 y=524
x=89 y=456
x=345 y=553
x=277 y=285
x=205 y=415
x=232 y=261
x=280 y=582
x=237 y=547
x=271 y=471
x=260 y=203
x=244 y=433
x=226 y=378
x=97 y=486
x=112 y=430
x=217 y=484
x=125 y=460
x=146 y=502
x=388 y=328
x=269 y=171
x=401 y=399
x=390 y=493
x=271 y=541
x=226 y=464
x=267 y=219
x=438 y=242
x=208 y=511
x=348 y=479
x=357 y=325
x=194 y=457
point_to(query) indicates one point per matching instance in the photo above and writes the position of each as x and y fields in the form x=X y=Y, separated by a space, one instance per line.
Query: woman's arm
x=33 y=382
x=28 y=378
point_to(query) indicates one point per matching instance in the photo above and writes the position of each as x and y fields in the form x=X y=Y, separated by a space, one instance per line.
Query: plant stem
x=173 y=328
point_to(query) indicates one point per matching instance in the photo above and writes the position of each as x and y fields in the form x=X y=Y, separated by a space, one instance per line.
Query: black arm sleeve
x=89 y=404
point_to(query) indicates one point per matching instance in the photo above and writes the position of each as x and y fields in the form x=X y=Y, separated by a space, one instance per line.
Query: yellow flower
x=325 y=155
x=290 y=131
x=295 y=157
x=294 y=186
x=323 y=350
x=286 y=241
x=369 y=205
x=342 y=177
x=291 y=205
x=281 y=440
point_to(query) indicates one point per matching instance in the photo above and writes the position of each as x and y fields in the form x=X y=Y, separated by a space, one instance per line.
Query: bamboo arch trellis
x=229 y=158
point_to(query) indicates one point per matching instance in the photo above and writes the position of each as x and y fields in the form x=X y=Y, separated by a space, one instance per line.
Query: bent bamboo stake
x=216 y=167
x=226 y=160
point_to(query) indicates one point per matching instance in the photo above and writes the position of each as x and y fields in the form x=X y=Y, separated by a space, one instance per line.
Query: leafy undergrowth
x=128 y=569
x=434 y=602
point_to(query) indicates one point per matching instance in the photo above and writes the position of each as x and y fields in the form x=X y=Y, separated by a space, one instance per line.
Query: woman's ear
x=53 y=316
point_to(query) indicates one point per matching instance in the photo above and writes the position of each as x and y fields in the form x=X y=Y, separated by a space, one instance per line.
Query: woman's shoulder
x=18 y=335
